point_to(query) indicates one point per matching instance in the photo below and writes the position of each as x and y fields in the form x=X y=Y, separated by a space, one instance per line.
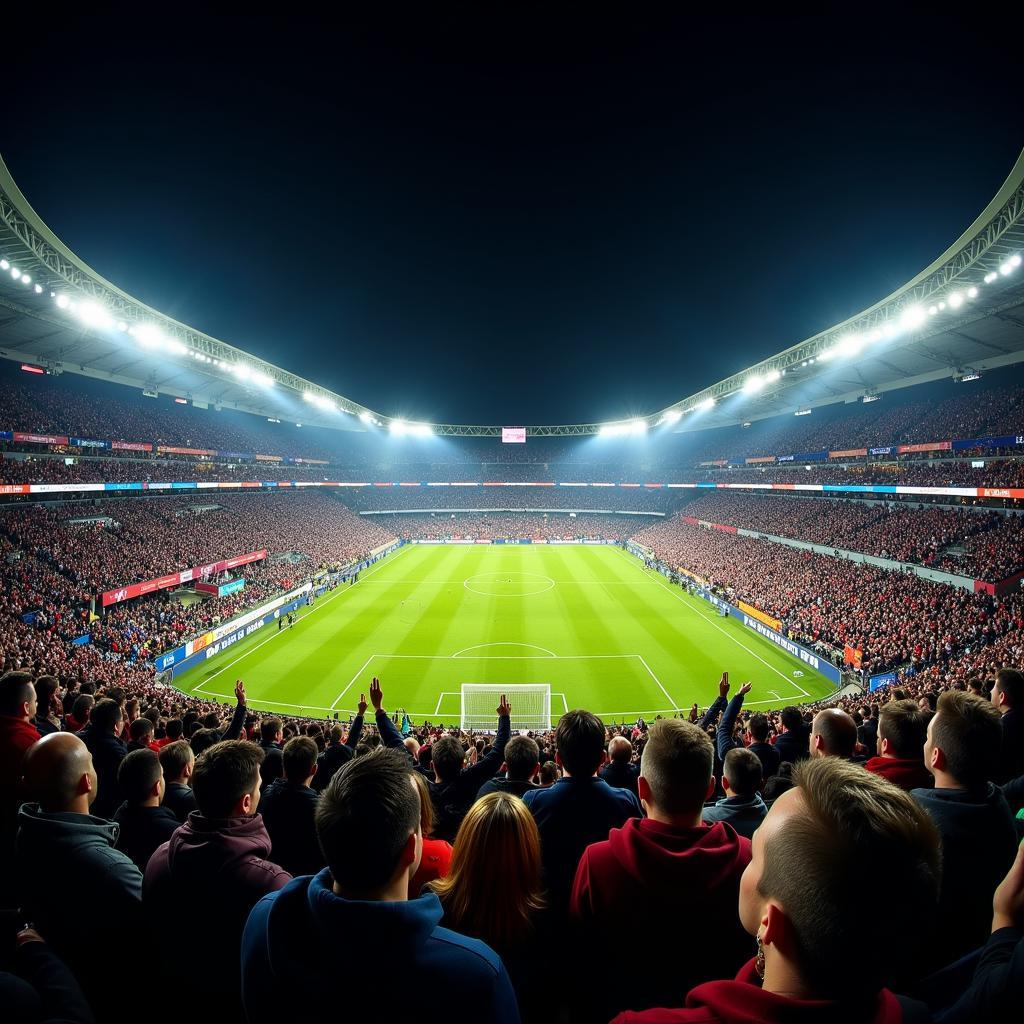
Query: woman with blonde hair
x=493 y=889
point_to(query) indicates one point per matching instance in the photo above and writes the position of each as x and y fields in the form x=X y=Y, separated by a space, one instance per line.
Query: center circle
x=508 y=584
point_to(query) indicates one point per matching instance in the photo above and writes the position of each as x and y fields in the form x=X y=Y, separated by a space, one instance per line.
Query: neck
x=782 y=979
x=395 y=891
x=943 y=780
x=153 y=801
x=80 y=805
x=683 y=819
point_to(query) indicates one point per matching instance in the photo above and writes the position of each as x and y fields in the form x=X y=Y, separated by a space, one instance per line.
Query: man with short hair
x=979 y=841
x=792 y=742
x=340 y=749
x=620 y=772
x=272 y=744
x=77 y=889
x=178 y=761
x=453 y=788
x=742 y=806
x=81 y=711
x=218 y=861
x=757 y=735
x=141 y=734
x=667 y=867
x=902 y=732
x=580 y=808
x=522 y=763
x=368 y=823
x=834 y=734
x=288 y=807
x=103 y=738
x=144 y=824
x=1008 y=697
x=18 y=733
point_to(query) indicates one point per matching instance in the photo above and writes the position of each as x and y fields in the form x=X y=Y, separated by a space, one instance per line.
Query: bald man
x=620 y=771
x=77 y=889
x=834 y=734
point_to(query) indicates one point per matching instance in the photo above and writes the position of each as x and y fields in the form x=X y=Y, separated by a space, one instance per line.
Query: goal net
x=531 y=705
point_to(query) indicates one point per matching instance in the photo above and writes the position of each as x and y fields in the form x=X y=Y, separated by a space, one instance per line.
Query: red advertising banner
x=131 y=446
x=40 y=438
x=761 y=458
x=126 y=593
x=15 y=488
x=164 y=449
x=852 y=656
x=1000 y=492
x=934 y=446
x=850 y=453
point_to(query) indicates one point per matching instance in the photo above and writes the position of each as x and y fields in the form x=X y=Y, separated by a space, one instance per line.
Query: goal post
x=531 y=705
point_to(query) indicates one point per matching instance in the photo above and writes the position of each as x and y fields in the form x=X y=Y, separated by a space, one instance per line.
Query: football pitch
x=589 y=621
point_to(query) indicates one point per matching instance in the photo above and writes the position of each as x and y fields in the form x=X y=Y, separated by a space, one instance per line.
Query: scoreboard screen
x=513 y=435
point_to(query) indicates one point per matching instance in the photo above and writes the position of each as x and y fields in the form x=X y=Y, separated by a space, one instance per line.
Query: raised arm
x=234 y=729
x=389 y=733
x=487 y=767
x=712 y=713
x=356 y=729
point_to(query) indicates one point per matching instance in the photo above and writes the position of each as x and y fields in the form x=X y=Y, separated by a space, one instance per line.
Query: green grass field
x=591 y=622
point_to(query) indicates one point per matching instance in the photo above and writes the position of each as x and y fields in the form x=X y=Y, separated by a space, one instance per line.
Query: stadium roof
x=961 y=315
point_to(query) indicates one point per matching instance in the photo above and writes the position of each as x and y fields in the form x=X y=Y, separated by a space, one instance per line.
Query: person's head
x=426 y=807
x=81 y=710
x=107 y=717
x=202 y=739
x=758 y=728
x=412 y=745
x=174 y=729
x=928 y=702
x=522 y=758
x=902 y=729
x=799 y=893
x=448 y=756
x=742 y=772
x=675 y=770
x=548 y=773
x=141 y=778
x=620 y=750
x=141 y=731
x=46 y=687
x=497 y=841
x=579 y=743
x=368 y=824
x=335 y=736
x=18 y=695
x=271 y=730
x=177 y=760
x=833 y=734
x=131 y=709
x=59 y=774
x=226 y=779
x=791 y=718
x=964 y=737
x=299 y=759
x=1008 y=690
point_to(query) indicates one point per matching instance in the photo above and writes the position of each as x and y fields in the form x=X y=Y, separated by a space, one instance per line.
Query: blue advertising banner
x=80 y=641
x=888 y=450
x=885 y=679
x=236 y=455
x=811 y=456
x=1007 y=441
x=6 y=435
x=88 y=442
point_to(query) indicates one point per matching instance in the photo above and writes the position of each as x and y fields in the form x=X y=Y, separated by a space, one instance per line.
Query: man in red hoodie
x=902 y=731
x=667 y=875
x=799 y=897
x=17 y=734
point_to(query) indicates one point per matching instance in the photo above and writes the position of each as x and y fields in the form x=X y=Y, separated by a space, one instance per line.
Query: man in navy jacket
x=793 y=744
x=358 y=908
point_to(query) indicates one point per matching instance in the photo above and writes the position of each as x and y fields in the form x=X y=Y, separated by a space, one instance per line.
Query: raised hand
x=504 y=708
x=376 y=694
x=240 y=691
x=746 y=688
x=723 y=685
x=362 y=704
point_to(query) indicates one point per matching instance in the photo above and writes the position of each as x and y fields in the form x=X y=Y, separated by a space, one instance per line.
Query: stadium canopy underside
x=959 y=316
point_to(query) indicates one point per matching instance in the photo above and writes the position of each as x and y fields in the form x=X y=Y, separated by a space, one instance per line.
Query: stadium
x=793 y=592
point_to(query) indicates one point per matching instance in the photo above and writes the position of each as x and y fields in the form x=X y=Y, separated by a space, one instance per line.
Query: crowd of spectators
x=508 y=526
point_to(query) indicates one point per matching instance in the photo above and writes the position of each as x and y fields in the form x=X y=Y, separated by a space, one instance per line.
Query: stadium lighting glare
x=15 y=273
x=366 y=418
x=638 y=426
x=25 y=279
x=420 y=429
x=753 y=384
x=932 y=310
x=62 y=301
x=972 y=292
x=148 y=335
x=956 y=300
x=708 y=403
x=398 y=427
x=802 y=412
x=942 y=306
x=263 y=380
x=772 y=375
x=94 y=315
x=1006 y=269
x=309 y=396
x=913 y=316
x=991 y=276
x=849 y=345
x=672 y=417
x=39 y=289
x=4 y=265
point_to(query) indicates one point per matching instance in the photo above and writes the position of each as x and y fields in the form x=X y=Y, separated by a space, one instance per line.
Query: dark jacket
x=179 y=800
x=337 y=755
x=979 y=843
x=994 y=992
x=108 y=751
x=744 y=813
x=649 y=873
x=220 y=867
x=793 y=746
x=570 y=815
x=84 y=896
x=288 y=810
x=622 y=775
x=453 y=799
x=1011 y=751
x=143 y=829
x=273 y=763
x=503 y=785
x=42 y=990
x=279 y=959
x=44 y=725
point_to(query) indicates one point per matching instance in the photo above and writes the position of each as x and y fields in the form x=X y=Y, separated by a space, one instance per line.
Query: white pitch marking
x=679 y=597
x=504 y=643
x=441 y=697
x=668 y=696
x=362 y=669
x=565 y=703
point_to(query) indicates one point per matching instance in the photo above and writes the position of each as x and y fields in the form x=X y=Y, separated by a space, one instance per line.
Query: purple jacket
x=216 y=869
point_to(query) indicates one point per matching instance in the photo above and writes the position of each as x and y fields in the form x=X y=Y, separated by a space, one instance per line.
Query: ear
x=504 y=766
x=711 y=788
x=84 y=784
x=816 y=743
x=938 y=761
x=644 y=791
x=408 y=855
x=316 y=768
x=773 y=925
x=558 y=759
x=1001 y=699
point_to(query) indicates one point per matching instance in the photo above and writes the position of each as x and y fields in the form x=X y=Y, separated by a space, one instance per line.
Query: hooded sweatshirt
x=743 y=1001
x=906 y=772
x=218 y=865
x=296 y=939
x=681 y=884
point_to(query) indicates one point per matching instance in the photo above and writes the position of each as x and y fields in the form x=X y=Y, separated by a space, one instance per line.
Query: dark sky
x=518 y=219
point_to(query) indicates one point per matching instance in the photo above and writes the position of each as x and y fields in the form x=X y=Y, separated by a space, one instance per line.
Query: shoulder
x=470 y=954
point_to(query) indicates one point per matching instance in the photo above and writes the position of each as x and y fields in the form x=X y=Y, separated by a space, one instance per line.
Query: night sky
x=513 y=220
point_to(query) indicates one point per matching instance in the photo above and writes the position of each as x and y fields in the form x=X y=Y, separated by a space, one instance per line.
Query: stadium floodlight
x=398 y=427
x=176 y=347
x=848 y=345
x=4 y=265
x=94 y=315
x=62 y=301
x=869 y=396
x=991 y=276
x=672 y=417
x=708 y=403
x=366 y=418
x=964 y=376
x=753 y=384
x=15 y=273
x=309 y=396
x=1007 y=268
x=420 y=429
x=637 y=426
x=955 y=300
x=972 y=292
x=39 y=289
x=148 y=335
x=913 y=316
x=262 y=379
x=932 y=310
x=25 y=279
